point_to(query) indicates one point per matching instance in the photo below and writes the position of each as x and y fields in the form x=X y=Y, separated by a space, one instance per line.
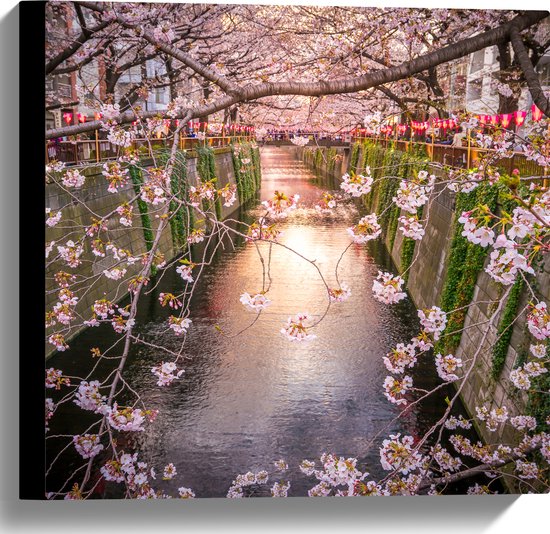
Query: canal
x=247 y=401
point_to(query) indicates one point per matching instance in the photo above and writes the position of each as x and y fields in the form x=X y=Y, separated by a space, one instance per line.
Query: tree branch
x=531 y=76
x=344 y=85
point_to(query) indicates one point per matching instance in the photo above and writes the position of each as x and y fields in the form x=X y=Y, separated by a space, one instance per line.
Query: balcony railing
x=465 y=157
x=99 y=150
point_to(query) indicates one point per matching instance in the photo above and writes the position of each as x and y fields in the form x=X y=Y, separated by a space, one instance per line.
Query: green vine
x=206 y=163
x=505 y=328
x=137 y=180
x=181 y=218
x=248 y=177
x=466 y=261
x=354 y=157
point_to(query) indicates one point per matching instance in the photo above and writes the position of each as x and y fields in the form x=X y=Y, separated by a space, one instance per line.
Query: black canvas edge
x=31 y=251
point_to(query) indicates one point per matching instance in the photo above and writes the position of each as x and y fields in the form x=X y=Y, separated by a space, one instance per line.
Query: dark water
x=247 y=401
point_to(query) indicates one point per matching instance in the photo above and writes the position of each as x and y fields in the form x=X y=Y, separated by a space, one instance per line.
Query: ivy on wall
x=206 y=163
x=466 y=260
x=136 y=176
x=181 y=218
x=248 y=176
x=505 y=328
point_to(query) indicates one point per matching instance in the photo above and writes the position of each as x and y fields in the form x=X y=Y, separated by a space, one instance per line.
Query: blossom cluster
x=366 y=229
x=413 y=193
x=280 y=205
x=387 y=288
x=166 y=373
x=295 y=330
x=357 y=185
x=255 y=302
x=326 y=204
x=411 y=227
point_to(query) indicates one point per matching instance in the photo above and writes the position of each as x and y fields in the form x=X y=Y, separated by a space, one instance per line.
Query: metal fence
x=98 y=150
x=465 y=157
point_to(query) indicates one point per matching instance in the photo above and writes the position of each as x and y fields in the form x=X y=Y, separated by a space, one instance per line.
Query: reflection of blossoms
x=366 y=229
x=256 y=302
x=387 y=288
x=295 y=329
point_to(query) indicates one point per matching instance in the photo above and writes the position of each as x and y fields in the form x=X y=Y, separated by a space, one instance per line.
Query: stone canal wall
x=237 y=166
x=443 y=269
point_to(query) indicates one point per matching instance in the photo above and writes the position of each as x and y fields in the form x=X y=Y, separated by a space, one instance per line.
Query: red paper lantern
x=97 y=115
x=81 y=117
x=536 y=113
x=68 y=117
x=519 y=117
x=506 y=119
x=494 y=120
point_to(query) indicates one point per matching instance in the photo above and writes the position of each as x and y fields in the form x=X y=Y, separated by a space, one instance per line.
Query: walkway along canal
x=246 y=401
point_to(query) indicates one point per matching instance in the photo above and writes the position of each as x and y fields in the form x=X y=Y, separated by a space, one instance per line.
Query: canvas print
x=295 y=251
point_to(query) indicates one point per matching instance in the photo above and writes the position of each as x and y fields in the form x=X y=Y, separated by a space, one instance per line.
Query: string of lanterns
x=420 y=127
x=230 y=129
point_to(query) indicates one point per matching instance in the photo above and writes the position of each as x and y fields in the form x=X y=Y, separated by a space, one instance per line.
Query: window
x=544 y=73
x=478 y=61
x=474 y=89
